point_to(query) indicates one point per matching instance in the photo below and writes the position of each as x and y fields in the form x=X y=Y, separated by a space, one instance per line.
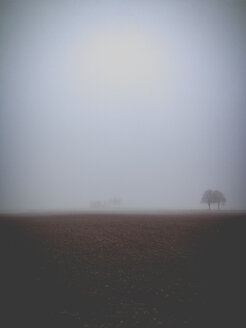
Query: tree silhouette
x=213 y=196
x=207 y=197
x=219 y=198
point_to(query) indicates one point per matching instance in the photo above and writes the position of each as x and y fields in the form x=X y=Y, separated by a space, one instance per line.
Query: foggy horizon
x=142 y=101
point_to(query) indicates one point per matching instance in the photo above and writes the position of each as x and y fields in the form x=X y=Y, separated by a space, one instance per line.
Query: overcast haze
x=141 y=100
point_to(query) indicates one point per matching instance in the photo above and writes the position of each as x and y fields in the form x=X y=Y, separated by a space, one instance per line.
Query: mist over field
x=141 y=102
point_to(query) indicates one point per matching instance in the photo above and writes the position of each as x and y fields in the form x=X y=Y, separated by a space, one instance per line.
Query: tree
x=218 y=198
x=208 y=198
x=213 y=196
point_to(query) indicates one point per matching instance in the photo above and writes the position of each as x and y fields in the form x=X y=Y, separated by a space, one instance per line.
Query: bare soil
x=123 y=270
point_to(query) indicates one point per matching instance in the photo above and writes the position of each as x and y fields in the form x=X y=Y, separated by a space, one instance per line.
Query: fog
x=139 y=100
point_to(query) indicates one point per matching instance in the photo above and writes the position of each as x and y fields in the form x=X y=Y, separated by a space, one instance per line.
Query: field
x=123 y=270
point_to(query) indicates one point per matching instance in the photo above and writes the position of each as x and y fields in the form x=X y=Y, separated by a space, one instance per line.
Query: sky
x=139 y=100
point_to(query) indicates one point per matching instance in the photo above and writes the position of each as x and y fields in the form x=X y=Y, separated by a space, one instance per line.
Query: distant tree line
x=113 y=202
x=213 y=197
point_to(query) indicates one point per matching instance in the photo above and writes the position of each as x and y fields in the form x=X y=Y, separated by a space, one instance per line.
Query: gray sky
x=139 y=100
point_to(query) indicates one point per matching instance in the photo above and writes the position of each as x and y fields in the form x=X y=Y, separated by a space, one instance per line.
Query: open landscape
x=122 y=164
x=100 y=270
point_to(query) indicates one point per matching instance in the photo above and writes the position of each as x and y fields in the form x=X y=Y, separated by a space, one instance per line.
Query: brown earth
x=123 y=270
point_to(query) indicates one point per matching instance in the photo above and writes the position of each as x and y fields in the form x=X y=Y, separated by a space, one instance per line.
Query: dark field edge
x=102 y=270
x=123 y=213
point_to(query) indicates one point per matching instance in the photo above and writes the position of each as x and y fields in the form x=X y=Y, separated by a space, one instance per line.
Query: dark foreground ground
x=92 y=270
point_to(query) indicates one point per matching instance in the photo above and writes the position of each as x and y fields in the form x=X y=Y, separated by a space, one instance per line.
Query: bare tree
x=208 y=198
x=218 y=198
x=213 y=196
